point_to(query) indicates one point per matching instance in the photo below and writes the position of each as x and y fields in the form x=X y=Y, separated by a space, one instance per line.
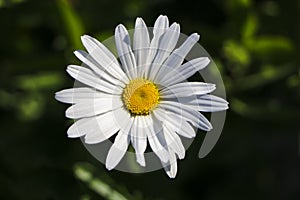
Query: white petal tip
x=70 y=113
x=139 y=23
x=174 y=26
x=162 y=17
x=171 y=175
x=138 y=20
x=84 y=37
x=76 y=52
x=71 y=67
x=72 y=134
x=142 y=163
x=120 y=27
x=209 y=128
x=90 y=141
x=181 y=155
x=110 y=163
x=109 y=168
x=57 y=96
x=207 y=60
x=141 y=160
x=195 y=36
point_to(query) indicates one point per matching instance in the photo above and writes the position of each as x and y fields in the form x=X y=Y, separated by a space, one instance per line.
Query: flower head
x=142 y=96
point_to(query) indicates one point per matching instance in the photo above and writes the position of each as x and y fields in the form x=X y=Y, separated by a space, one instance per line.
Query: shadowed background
x=255 y=45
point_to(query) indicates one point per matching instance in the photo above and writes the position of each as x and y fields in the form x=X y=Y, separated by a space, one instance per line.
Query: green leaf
x=267 y=45
x=250 y=28
x=236 y=53
x=72 y=22
x=31 y=107
x=84 y=172
x=46 y=80
x=267 y=75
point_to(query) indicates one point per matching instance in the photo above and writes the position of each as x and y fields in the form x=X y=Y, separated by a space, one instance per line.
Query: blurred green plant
x=29 y=100
x=255 y=59
x=85 y=173
x=73 y=25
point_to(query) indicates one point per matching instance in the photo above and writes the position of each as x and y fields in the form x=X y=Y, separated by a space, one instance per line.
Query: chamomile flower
x=142 y=96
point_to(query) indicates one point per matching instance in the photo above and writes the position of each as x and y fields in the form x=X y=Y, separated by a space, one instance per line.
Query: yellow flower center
x=140 y=96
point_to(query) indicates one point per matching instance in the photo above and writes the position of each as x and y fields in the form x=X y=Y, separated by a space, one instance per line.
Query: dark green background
x=256 y=47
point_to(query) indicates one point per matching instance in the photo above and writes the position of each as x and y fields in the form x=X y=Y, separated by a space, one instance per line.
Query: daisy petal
x=184 y=72
x=82 y=94
x=187 y=89
x=119 y=147
x=207 y=103
x=171 y=167
x=75 y=95
x=87 y=77
x=176 y=122
x=98 y=133
x=117 y=150
x=189 y=114
x=160 y=27
x=99 y=54
x=165 y=47
x=158 y=130
x=98 y=51
x=173 y=141
x=79 y=128
x=185 y=129
x=141 y=43
x=103 y=74
x=139 y=140
x=178 y=55
x=124 y=50
x=93 y=107
x=154 y=142
x=102 y=127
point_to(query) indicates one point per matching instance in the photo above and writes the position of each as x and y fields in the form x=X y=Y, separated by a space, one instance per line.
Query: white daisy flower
x=141 y=96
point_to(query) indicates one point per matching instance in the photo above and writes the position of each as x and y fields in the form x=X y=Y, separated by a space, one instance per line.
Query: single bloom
x=142 y=96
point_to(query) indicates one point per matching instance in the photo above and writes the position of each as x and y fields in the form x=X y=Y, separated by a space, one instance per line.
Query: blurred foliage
x=72 y=22
x=83 y=172
x=256 y=47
